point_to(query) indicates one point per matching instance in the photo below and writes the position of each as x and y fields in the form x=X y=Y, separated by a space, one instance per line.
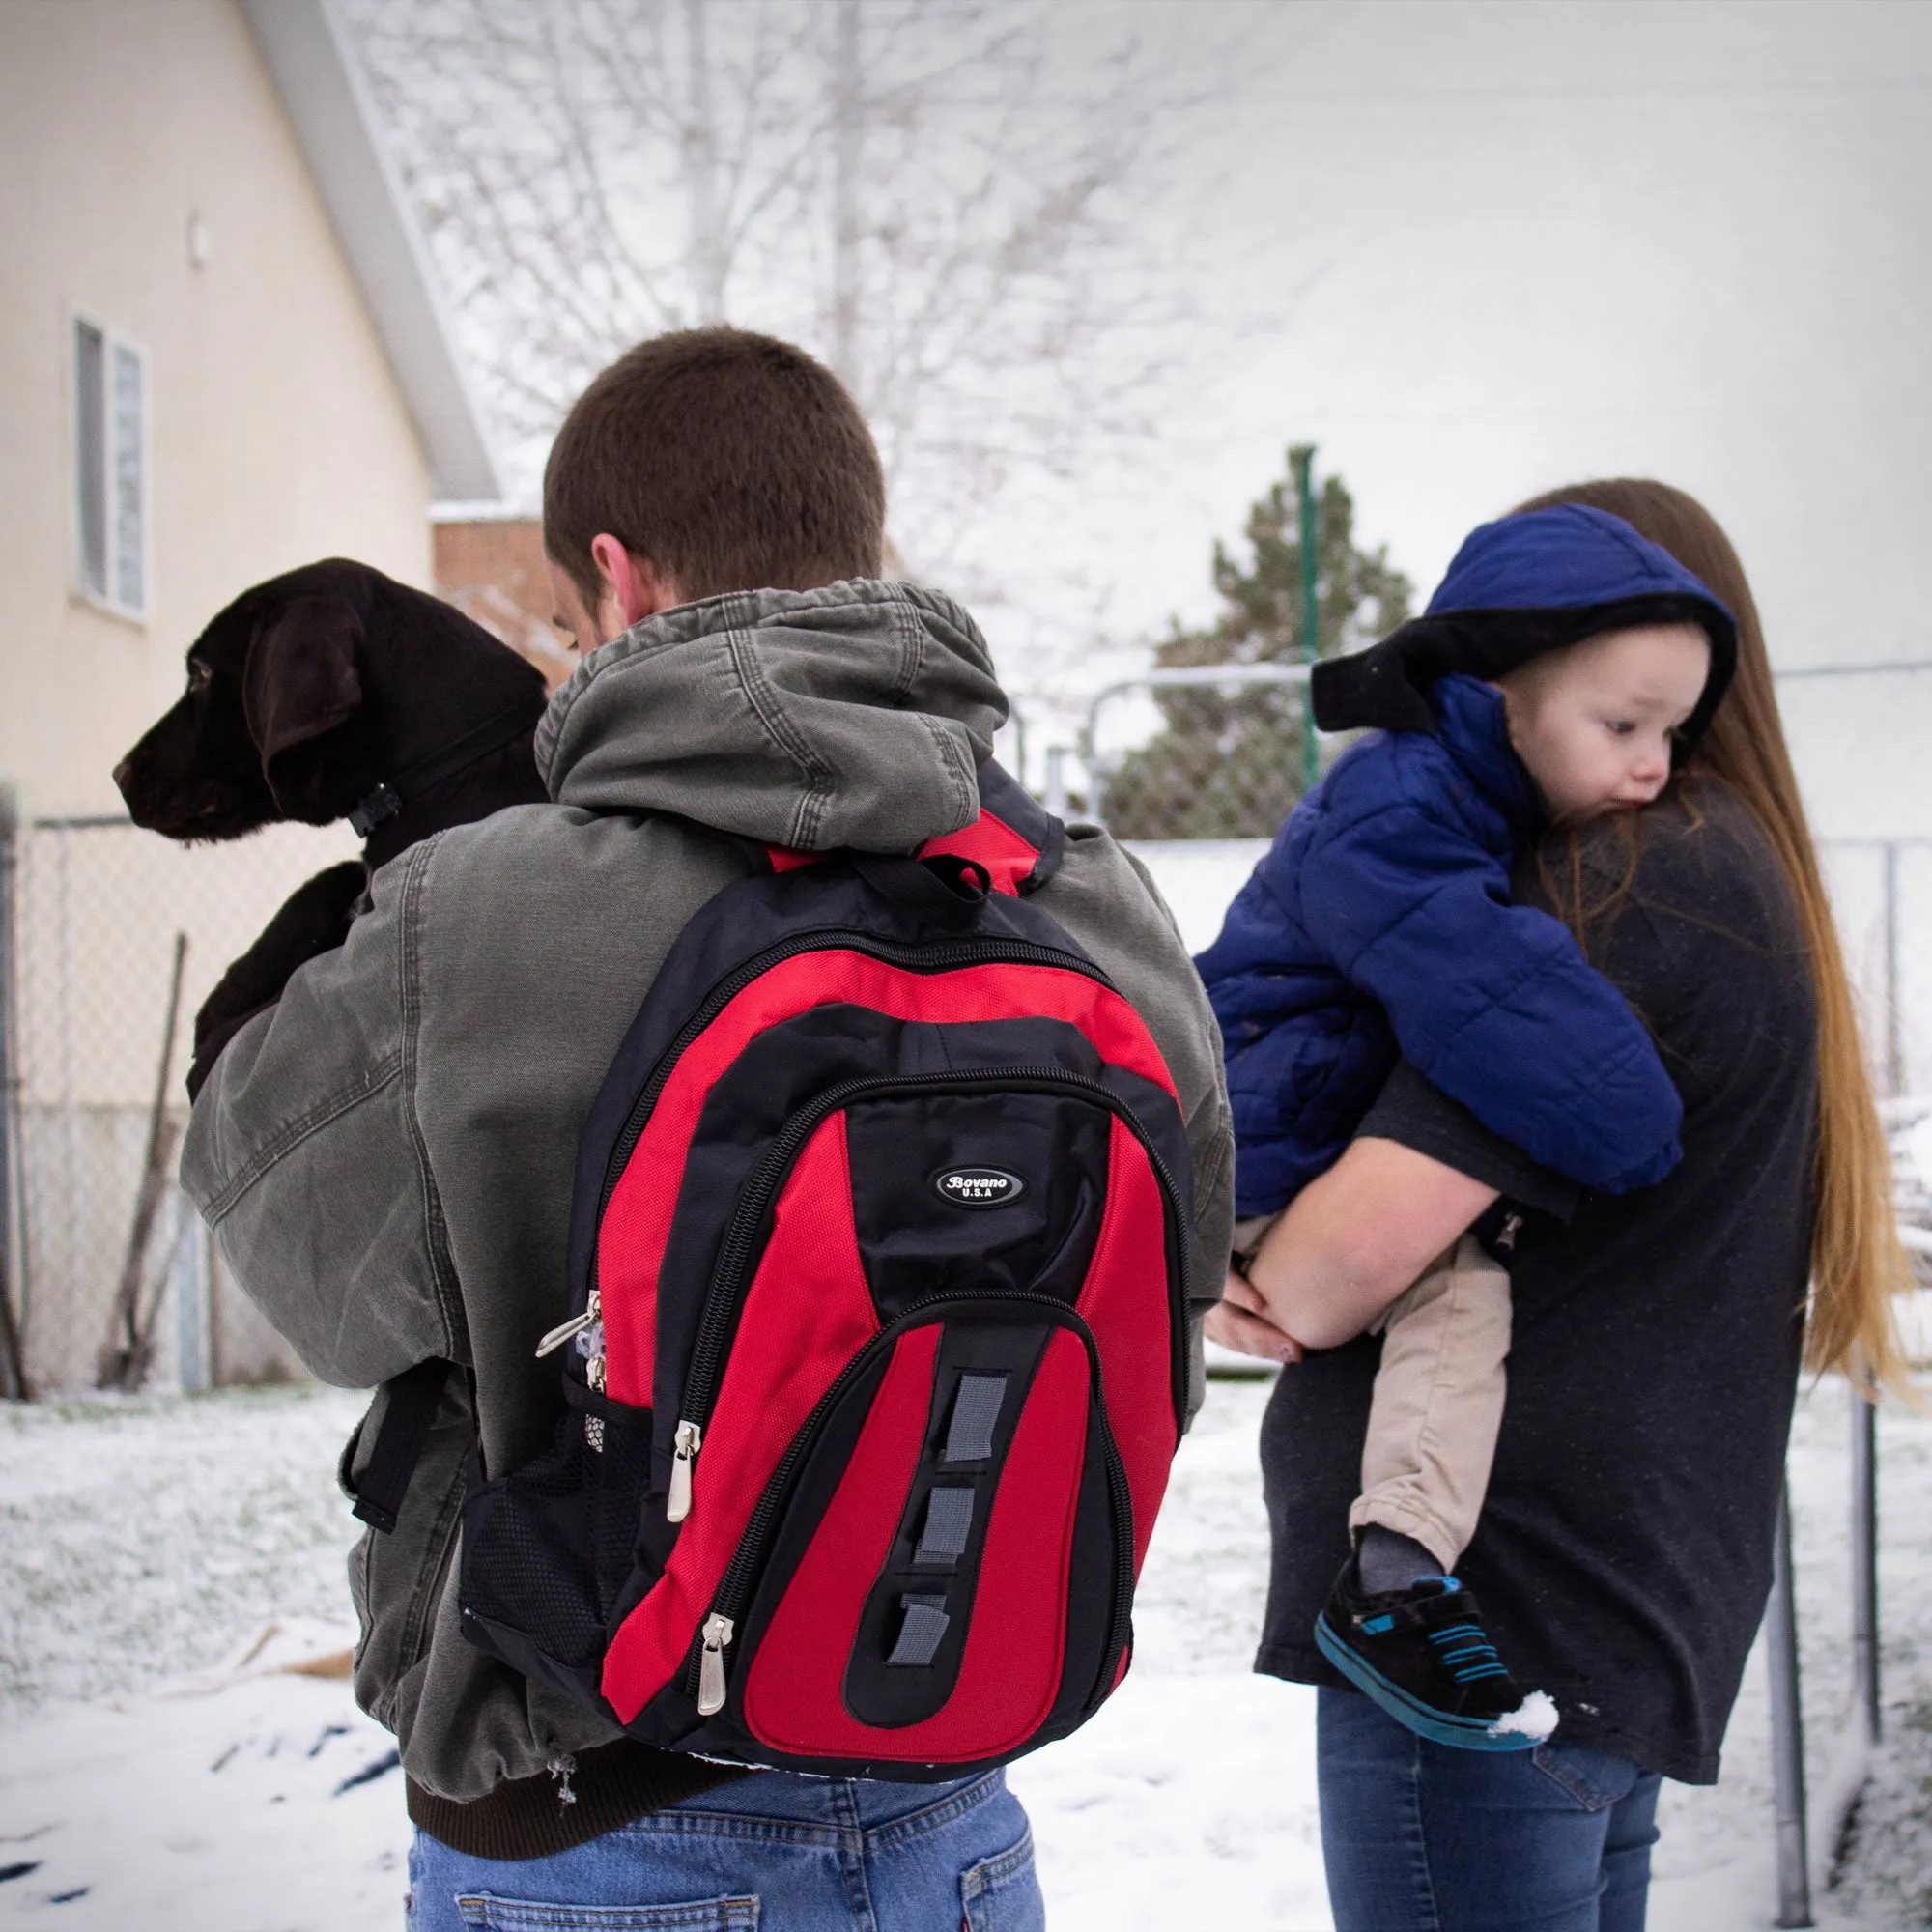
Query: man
x=388 y=1156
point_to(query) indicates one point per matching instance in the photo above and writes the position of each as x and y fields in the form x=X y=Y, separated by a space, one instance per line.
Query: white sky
x=1502 y=245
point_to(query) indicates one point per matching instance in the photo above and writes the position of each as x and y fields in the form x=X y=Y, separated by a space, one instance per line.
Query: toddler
x=1562 y=670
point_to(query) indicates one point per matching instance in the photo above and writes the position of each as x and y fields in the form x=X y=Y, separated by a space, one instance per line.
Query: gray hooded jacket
x=386 y=1156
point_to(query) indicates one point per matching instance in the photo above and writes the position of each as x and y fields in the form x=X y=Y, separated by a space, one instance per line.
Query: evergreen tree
x=1228 y=765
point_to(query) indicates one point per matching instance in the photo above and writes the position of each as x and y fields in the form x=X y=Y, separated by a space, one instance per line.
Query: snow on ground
x=1715 y=1863
x=161 y=1766
x=257 y=1801
x=152 y=1536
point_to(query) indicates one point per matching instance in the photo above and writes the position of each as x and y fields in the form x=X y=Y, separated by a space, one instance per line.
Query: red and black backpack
x=878 y=1255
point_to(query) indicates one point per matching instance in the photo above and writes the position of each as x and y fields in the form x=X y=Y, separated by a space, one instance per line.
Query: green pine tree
x=1228 y=765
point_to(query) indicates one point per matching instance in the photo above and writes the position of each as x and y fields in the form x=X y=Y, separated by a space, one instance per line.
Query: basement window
x=111 y=465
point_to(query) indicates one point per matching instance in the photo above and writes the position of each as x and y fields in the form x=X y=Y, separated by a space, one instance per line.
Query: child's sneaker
x=1422 y=1654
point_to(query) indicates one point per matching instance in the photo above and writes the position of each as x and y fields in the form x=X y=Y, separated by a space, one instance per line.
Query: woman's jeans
x=772 y=1853
x=1425 y=1837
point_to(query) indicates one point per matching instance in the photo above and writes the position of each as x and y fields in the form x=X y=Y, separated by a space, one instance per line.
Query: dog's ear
x=299 y=682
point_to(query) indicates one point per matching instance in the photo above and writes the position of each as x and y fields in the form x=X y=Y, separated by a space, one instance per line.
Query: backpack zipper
x=713 y=1638
x=1118 y=1626
x=589 y=1330
x=703 y=1677
x=593 y=1312
x=732 y=1276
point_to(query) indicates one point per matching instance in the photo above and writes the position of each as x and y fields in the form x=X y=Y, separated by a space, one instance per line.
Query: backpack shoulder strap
x=413 y=1399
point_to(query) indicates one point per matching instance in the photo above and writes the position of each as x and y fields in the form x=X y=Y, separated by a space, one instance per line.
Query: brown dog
x=331 y=692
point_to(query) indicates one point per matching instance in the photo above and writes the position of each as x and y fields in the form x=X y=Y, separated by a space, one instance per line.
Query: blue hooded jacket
x=1379 y=924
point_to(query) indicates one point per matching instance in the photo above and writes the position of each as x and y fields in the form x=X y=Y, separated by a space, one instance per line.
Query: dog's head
x=306 y=694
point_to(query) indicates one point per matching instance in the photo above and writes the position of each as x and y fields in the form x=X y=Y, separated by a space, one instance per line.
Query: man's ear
x=299 y=682
x=634 y=588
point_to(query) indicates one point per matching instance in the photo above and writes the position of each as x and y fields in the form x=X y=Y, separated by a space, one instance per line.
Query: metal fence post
x=1894 y=1032
x=1055 y=780
x=12 y=1196
x=1787 y=1729
x=1865 y=1561
x=189 y=1284
x=1302 y=460
x=1865 y=1415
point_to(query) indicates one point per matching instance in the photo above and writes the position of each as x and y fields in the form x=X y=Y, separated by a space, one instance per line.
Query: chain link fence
x=1200 y=751
x=91 y=910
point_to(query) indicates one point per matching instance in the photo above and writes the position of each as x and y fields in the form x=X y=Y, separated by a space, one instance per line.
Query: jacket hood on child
x=1517 y=588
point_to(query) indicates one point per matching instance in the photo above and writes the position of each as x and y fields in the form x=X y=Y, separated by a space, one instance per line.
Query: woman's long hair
x=1857 y=1261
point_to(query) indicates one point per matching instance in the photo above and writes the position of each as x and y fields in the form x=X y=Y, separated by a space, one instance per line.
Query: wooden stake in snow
x=123 y=1359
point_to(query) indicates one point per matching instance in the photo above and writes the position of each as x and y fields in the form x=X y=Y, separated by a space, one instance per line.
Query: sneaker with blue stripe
x=1423 y=1655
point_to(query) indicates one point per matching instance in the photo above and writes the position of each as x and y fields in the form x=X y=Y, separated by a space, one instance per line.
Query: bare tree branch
x=945 y=198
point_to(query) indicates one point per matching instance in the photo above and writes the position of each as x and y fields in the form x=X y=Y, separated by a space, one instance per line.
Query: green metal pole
x=1302 y=460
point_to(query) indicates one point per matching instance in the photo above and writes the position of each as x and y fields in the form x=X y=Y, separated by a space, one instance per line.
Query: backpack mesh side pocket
x=549 y=1549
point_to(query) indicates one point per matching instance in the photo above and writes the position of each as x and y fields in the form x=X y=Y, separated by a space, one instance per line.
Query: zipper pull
x=711 y=1663
x=689 y=1439
x=1506 y=1235
x=564 y=1330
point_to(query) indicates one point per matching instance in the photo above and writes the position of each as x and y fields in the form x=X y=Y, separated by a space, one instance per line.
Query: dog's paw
x=315 y=919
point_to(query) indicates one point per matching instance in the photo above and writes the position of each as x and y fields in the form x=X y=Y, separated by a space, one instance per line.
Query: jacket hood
x=853 y=715
x=1517 y=588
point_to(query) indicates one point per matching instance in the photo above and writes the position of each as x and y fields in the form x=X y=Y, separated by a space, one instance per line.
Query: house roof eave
x=326 y=98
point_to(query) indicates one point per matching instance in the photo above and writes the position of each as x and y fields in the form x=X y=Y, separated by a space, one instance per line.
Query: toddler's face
x=1595 y=722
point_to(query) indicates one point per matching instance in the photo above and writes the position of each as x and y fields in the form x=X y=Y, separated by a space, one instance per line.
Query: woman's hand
x=1239 y=1321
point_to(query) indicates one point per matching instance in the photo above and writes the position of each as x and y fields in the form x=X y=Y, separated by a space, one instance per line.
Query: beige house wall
x=277 y=431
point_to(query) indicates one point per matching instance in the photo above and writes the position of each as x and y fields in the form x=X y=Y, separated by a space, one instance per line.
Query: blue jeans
x=1422 y=1838
x=775 y=1852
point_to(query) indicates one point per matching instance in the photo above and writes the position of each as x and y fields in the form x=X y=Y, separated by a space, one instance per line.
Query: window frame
x=114 y=344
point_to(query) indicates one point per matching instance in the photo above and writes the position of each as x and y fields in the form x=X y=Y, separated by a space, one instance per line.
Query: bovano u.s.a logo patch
x=978 y=1187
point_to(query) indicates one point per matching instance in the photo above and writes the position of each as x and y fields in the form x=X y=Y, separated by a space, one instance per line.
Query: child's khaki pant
x=1438 y=1403
x=1438 y=1400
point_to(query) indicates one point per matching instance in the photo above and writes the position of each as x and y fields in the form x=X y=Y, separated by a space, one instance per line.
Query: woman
x=1624 y=1554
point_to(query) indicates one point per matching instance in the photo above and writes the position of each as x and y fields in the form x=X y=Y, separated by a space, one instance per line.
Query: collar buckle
x=380 y=806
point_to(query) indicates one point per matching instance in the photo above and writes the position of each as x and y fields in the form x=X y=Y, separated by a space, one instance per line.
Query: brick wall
x=493 y=571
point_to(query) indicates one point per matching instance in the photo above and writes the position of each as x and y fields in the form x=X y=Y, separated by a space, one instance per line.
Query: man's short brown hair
x=727 y=461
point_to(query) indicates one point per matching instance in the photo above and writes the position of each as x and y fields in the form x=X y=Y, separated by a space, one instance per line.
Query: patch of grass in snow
x=148 y=1536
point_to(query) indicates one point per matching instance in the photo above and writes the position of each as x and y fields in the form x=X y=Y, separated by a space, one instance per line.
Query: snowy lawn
x=161 y=1764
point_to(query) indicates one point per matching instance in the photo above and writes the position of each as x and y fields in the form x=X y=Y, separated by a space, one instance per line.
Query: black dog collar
x=379 y=807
